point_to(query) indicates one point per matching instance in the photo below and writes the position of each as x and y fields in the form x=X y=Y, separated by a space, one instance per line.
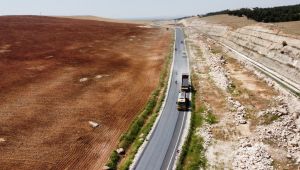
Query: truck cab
x=182 y=102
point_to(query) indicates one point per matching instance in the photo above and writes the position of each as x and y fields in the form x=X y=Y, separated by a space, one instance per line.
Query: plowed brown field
x=45 y=108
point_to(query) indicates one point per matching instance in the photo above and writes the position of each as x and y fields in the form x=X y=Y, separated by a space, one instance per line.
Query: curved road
x=161 y=150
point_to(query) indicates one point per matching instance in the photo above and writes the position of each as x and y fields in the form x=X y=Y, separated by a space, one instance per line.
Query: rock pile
x=280 y=110
x=251 y=156
x=285 y=133
x=239 y=115
x=217 y=71
x=206 y=133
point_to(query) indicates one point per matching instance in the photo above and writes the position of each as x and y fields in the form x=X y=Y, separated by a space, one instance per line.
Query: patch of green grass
x=114 y=158
x=195 y=154
x=211 y=118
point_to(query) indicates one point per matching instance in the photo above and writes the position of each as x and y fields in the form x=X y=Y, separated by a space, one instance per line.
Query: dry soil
x=58 y=74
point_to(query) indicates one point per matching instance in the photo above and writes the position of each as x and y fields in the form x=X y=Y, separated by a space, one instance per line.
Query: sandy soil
x=232 y=21
x=95 y=18
x=51 y=88
x=239 y=22
x=254 y=93
x=289 y=27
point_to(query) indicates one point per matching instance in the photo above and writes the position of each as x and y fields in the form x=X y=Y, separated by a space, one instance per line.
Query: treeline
x=184 y=17
x=275 y=14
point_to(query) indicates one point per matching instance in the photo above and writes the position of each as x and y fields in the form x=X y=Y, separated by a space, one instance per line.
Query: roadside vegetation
x=275 y=14
x=141 y=126
x=211 y=118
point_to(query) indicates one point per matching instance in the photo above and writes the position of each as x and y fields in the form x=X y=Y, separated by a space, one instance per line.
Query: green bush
x=211 y=118
x=113 y=160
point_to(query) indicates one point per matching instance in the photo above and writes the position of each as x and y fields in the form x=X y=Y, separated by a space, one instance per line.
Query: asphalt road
x=162 y=147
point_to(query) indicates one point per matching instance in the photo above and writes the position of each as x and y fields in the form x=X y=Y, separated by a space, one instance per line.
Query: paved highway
x=161 y=150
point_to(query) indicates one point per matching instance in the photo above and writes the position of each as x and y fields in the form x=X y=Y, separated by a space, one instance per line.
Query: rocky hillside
x=257 y=120
x=262 y=42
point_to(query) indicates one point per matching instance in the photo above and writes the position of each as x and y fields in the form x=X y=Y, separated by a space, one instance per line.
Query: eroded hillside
x=258 y=120
x=264 y=43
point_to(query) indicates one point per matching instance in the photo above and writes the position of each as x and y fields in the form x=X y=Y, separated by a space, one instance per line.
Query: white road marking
x=179 y=136
x=149 y=136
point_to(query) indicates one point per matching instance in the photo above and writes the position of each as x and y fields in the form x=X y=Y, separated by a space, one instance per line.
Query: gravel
x=252 y=151
x=240 y=111
x=284 y=133
x=251 y=155
x=217 y=71
x=206 y=133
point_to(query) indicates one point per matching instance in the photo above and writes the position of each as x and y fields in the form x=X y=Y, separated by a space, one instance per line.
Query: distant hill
x=275 y=14
x=96 y=18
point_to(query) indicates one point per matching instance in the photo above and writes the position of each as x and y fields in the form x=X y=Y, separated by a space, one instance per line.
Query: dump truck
x=182 y=102
x=185 y=86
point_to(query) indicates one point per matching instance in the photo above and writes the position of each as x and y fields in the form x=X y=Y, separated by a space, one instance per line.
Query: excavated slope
x=258 y=42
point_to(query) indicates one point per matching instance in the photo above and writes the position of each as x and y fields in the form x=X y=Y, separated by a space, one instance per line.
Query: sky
x=129 y=9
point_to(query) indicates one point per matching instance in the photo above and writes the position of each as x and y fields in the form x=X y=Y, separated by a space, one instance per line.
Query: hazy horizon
x=133 y=9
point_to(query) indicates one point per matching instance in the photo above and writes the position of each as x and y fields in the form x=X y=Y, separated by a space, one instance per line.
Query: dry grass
x=292 y=27
x=215 y=49
x=225 y=134
x=210 y=93
x=227 y=20
x=284 y=164
x=239 y=22
x=250 y=90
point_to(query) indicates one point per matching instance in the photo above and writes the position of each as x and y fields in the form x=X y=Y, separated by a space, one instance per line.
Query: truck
x=185 y=86
x=182 y=102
